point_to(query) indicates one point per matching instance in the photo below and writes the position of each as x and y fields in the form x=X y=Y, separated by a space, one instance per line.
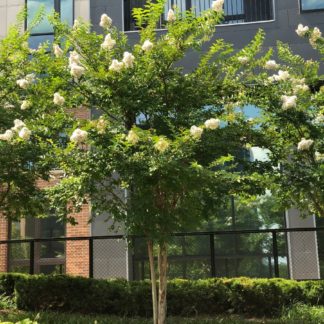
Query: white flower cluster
x=127 y=62
x=105 y=21
x=299 y=85
x=288 y=102
x=161 y=145
x=212 y=123
x=79 y=136
x=18 y=128
x=305 y=144
x=243 y=60
x=218 y=5
x=7 y=135
x=271 y=65
x=109 y=43
x=171 y=16
x=319 y=156
x=58 y=52
x=101 y=125
x=147 y=45
x=196 y=132
x=25 y=105
x=281 y=76
x=76 y=69
x=132 y=137
x=319 y=120
x=25 y=82
x=58 y=99
x=302 y=30
x=316 y=34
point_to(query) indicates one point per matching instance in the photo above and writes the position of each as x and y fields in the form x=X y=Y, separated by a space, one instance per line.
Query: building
x=242 y=19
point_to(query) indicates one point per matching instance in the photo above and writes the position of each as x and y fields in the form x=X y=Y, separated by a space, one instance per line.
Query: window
x=44 y=31
x=49 y=257
x=311 y=5
x=235 y=11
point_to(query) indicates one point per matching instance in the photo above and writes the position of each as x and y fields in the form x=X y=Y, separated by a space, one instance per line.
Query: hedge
x=255 y=297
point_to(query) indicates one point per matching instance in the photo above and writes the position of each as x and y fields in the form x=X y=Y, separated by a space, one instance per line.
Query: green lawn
x=299 y=314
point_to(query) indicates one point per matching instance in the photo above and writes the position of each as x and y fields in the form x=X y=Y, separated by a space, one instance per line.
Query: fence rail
x=235 y=11
x=296 y=253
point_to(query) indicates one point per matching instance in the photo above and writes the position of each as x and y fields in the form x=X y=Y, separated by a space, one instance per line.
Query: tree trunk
x=153 y=281
x=163 y=265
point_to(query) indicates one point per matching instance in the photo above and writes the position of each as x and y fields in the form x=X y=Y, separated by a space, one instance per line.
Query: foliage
x=255 y=297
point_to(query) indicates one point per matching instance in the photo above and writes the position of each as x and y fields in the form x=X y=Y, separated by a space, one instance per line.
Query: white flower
x=301 y=88
x=79 y=136
x=147 y=45
x=301 y=30
x=25 y=133
x=8 y=105
x=288 y=102
x=101 y=125
x=77 y=71
x=271 y=65
x=74 y=58
x=132 y=137
x=316 y=34
x=108 y=43
x=128 y=59
x=212 y=123
x=58 y=99
x=23 y=83
x=319 y=120
x=196 y=131
x=7 y=136
x=105 y=21
x=161 y=145
x=171 y=16
x=304 y=144
x=116 y=66
x=283 y=75
x=243 y=59
x=218 y=5
x=58 y=52
x=76 y=24
x=25 y=105
x=319 y=156
x=18 y=124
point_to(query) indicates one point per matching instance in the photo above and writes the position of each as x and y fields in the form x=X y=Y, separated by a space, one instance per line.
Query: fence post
x=212 y=255
x=275 y=253
x=32 y=257
x=90 y=257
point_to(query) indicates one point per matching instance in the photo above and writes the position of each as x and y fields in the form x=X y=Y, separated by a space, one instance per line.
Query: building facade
x=242 y=20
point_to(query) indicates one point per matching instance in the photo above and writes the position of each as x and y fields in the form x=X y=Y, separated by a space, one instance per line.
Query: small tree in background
x=292 y=101
x=31 y=121
x=168 y=148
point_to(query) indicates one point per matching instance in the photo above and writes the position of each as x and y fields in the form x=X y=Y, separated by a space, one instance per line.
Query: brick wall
x=77 y=252
x=3 y=247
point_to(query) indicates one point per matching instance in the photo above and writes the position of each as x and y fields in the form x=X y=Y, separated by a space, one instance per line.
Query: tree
x=167 y=148
x=30 y=124
x=292 y=104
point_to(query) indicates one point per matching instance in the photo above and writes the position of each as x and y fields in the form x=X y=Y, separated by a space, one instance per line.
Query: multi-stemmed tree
x=168 y=147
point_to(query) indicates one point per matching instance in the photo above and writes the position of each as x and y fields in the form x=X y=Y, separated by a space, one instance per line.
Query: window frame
x=308 y=10
x=57 y=8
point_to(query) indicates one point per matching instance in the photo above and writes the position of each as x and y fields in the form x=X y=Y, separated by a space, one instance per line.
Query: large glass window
x=49 y=257
x=44 y=31
x=308 y=5
x=235 y=11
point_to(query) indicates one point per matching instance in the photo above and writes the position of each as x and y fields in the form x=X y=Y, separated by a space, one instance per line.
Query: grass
x=54 y=318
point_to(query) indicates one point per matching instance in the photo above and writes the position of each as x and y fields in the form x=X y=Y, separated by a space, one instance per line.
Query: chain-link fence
x=286 y=253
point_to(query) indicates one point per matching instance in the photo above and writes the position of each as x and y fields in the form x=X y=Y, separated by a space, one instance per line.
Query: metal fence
x=235 y=11
x=286 y=253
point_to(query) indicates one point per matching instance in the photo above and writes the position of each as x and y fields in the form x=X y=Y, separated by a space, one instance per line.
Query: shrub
x=254 y=297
